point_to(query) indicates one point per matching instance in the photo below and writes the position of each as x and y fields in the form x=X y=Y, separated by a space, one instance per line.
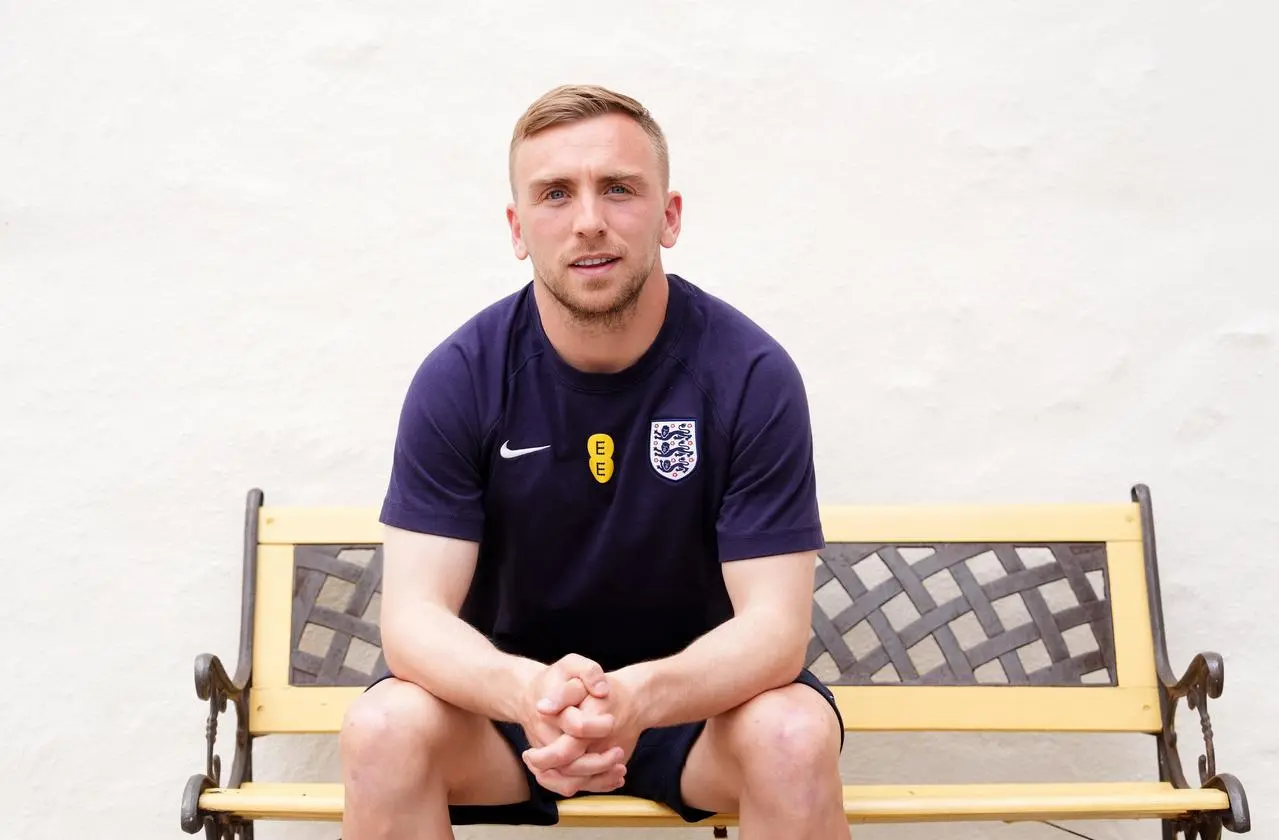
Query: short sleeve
x=770 y=503
x=436 y=480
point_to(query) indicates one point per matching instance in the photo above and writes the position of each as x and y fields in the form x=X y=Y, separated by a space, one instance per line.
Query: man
x=601 y=532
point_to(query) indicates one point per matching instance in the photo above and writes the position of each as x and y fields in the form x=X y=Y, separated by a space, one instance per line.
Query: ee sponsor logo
x=600 y=449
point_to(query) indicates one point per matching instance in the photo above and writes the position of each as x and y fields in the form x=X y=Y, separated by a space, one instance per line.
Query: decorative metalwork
x=214 y=685
x=1203 y=679
x=962 y=614
x=337 y=591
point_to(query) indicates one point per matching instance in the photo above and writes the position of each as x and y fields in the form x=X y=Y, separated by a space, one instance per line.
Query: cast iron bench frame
x=1104 y=554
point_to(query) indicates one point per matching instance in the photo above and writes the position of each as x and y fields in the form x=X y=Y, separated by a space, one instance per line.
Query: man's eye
x=555 y=195
x=619 y=189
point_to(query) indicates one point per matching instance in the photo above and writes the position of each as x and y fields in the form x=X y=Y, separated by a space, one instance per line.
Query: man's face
x=592 y=212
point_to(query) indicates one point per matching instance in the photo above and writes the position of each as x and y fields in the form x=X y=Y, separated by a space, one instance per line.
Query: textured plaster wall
x=1021 y=251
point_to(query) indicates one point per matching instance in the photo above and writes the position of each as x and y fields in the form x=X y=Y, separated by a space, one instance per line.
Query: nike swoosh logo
x=507 y=452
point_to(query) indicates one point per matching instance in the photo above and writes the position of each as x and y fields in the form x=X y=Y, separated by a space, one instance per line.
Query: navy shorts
x=653 y=772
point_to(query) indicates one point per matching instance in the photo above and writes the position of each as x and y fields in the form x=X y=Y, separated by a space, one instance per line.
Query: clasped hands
x=582 y=725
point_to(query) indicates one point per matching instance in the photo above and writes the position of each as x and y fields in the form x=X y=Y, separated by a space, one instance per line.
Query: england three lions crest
x=672 y=448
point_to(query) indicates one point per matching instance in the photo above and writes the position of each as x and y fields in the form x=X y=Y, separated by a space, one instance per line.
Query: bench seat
x=862 y=803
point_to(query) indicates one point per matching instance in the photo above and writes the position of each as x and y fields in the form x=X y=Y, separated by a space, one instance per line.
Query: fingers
x=589 y=672
x=568 y=757
x=557 y=753
x=561 y=694
x=544 y=731
x=573 y=721
x=593 y=764
x=606 y=782
x=558 y=782
x=569 y=681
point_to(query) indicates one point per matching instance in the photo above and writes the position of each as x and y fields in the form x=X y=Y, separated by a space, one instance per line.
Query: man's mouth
x=594 y=262
x=594 y=266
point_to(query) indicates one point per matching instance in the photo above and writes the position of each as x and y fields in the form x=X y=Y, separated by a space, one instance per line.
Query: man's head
x=589 y=176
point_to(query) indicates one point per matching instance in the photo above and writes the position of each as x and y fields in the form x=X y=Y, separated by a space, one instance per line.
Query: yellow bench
x=978 y=619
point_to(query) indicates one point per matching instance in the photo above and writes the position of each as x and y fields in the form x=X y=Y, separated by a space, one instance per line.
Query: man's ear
x=674 y=216
x=517 y=232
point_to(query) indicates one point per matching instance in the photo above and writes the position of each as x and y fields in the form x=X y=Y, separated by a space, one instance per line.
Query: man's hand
x=579 y=753
x=554 y=704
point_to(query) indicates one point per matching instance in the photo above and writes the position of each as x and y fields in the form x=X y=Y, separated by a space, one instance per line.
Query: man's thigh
x=713 y=777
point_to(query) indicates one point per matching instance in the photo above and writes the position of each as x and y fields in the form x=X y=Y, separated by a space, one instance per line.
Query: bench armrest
x=211 y=680
x=214 y=685
x=1203 y=679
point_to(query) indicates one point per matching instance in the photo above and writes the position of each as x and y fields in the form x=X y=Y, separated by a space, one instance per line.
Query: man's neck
x=599 y=347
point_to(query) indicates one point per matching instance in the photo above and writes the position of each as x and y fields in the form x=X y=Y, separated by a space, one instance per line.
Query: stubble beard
x=608 y=317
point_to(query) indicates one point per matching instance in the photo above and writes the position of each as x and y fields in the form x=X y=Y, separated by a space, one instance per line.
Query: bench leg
x=1201 y=827
x=228 y=830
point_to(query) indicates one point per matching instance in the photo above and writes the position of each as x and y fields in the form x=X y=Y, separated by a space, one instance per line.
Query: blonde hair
x=570 y=103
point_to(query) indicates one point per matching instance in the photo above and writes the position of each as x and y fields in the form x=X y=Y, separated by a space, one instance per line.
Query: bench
x=973 y=619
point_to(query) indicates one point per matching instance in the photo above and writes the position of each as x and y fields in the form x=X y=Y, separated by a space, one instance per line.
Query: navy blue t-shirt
x=604 y=504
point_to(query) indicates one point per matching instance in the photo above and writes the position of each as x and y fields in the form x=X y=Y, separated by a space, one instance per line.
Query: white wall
x=1022 y=252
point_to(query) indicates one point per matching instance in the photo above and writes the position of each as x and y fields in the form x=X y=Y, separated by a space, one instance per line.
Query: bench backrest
x=1003 y=618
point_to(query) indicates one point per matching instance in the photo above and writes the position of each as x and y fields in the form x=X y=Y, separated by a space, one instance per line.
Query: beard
x=601 y=312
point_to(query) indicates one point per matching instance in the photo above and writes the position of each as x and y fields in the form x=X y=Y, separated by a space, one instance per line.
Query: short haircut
x=570 y=103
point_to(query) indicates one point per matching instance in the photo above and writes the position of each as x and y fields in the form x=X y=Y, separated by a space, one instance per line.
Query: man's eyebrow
x=627 y=176
x=539 y=184
x=622 y=175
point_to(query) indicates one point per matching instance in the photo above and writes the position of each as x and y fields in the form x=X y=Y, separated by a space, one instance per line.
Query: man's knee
x=784 y=731
x=395 y=721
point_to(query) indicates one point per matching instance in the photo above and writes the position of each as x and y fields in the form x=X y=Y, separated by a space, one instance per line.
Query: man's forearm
x=453 y=661
x=739 y=659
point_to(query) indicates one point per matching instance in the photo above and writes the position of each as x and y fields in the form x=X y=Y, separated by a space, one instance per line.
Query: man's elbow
x=398 y=643
x=790 y=641
x=794 y=660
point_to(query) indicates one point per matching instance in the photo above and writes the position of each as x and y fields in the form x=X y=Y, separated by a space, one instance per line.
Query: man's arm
x=425 y=580
x=759 y=648
x=769 y=530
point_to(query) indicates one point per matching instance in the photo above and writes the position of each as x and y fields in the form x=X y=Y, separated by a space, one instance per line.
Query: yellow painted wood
x=319 y=525
x=1132 y=707
x=997 y=708
x=1130 y=614
x=862 y=803
x=272 y=616
x=981 y=523
x=299 y=709
x=841 y=523
x=864 y=708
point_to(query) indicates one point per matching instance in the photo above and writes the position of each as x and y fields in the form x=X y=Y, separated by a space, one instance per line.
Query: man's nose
x=589 y=222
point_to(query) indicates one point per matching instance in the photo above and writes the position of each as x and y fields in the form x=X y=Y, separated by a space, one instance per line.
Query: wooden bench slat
x=271 y=618
x=981 y=523
x=284 y=525
x=865 y=709
x=862 y=803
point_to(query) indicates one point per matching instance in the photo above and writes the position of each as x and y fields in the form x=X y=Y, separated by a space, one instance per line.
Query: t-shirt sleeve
x=770 y=504
x=436 y=477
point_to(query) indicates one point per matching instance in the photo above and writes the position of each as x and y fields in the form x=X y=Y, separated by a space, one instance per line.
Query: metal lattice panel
x=946 y=614
x=962 y=614
x=336 y=601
